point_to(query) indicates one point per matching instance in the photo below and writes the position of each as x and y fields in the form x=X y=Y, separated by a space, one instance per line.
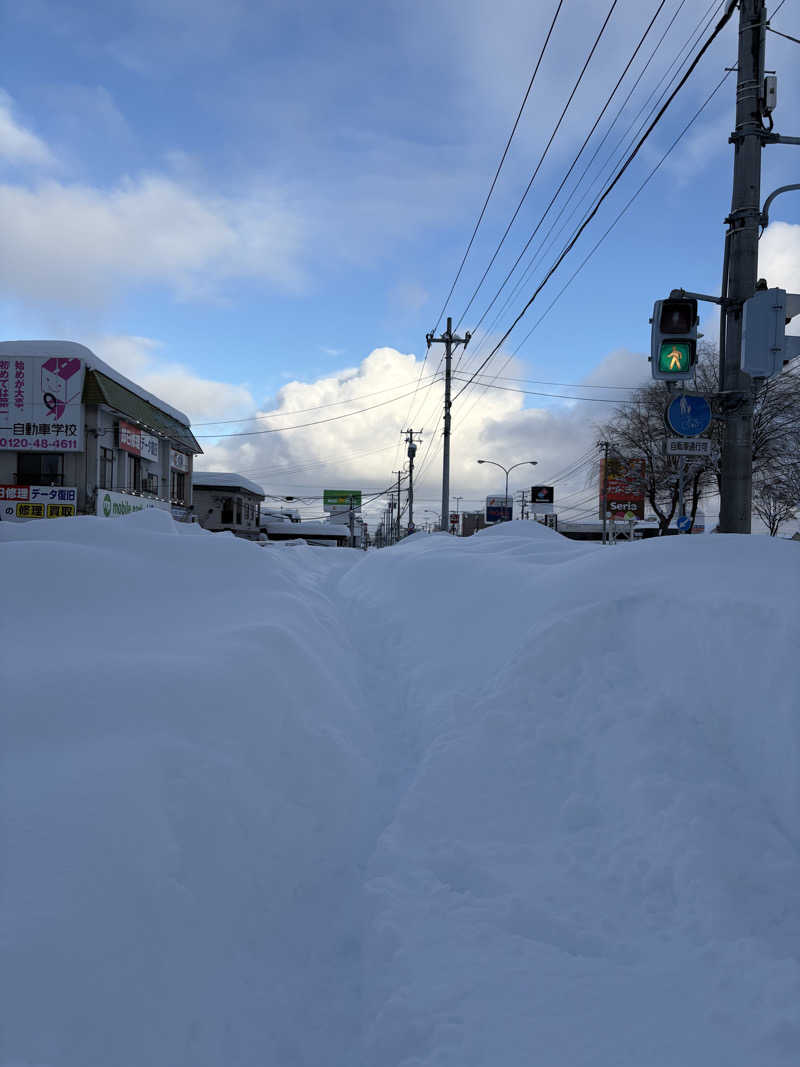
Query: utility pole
x=450 y=342
x=412 y=451
x=397 y=517
x=604 y=496
x=352 y=523
x=741 y=268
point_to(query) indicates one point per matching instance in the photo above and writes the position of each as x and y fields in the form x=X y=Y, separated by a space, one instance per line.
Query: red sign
x=15 y=492
x=130 y=438
x=624 y=488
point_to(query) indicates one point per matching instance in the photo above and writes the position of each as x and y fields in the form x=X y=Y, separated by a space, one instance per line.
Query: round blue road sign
x=689 y=415
x=685 y=523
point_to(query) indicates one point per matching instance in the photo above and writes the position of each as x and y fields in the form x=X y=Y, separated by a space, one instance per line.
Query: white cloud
x=78 y=244
x=141 y=360
x=361 y=452
x=17 y=144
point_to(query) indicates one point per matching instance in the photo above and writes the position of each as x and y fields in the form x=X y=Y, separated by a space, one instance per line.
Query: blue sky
x=234 y=196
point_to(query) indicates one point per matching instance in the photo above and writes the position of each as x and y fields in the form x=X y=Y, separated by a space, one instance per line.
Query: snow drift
x=504 y=800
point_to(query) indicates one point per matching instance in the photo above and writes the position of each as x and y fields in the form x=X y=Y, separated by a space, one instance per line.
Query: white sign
x=688 y=446
x=40 y=404
x=20 y=502
x=179 y=461
x=111 y=504
x=149 y=446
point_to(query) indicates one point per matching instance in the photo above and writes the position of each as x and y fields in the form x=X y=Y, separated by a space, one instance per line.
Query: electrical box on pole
x=765 y=346
x=673 y=339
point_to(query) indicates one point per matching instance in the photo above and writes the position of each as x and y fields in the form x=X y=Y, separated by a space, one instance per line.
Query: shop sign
x=18 y=502
x=335 y=500
x=179 y=461
x=624 y=483
x=130 y=438
x=149 y=446
x=40 y=404
x=111 y=504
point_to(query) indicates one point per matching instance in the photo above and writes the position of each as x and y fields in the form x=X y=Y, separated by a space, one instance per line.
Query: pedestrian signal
x=673 y=339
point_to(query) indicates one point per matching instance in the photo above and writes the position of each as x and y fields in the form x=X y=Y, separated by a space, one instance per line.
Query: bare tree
x=638 y=429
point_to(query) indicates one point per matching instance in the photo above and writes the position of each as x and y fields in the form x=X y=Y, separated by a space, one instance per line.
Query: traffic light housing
x=673 y=339
x=765 y=344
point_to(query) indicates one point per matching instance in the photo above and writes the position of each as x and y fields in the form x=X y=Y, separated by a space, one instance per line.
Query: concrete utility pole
x=397 y=521
x=741 y=268
x=604 y=499
x=450 y=342
x=412 y=451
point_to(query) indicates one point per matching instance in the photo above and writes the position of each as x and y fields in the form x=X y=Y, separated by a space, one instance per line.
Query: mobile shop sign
x=499 y=509
x=40 y=404
x=542 y=499
x=339 y=499
x=625 y=488
x=111 y=505
x=37 y=502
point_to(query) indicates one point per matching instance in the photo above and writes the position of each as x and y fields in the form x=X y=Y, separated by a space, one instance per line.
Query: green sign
x=675 y=357
x=341 y=498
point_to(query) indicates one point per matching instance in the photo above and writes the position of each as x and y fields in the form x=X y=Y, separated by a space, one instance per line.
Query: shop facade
x=77 y=438
x=227 y=501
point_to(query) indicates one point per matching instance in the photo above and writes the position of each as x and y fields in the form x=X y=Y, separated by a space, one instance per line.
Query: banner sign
x=340 y=499
x=37 y=502
x=111 y=504
x=625 y=479
x=179 y=461
x=40 y=404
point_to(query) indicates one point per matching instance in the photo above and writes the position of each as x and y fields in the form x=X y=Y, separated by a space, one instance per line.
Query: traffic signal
x=673 y=339
x=765 y=346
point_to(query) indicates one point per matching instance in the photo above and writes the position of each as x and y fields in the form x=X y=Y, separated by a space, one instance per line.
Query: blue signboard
x=498 y=514
x=685 y=523
x=689 y=415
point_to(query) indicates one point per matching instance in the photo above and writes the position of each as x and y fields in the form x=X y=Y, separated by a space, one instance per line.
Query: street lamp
x=508 y=470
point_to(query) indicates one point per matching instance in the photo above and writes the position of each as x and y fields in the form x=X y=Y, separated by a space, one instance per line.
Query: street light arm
x=494 y=464
x=523 y=463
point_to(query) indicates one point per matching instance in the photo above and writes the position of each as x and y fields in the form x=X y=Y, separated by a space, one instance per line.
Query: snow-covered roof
x=73 y=350
x=226 y=479
x=305 y=529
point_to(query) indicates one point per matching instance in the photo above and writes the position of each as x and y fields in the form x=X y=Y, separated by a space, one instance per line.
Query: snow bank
x=502 y=800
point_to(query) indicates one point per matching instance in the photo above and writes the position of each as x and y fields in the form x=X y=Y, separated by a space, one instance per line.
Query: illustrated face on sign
x=60 y=382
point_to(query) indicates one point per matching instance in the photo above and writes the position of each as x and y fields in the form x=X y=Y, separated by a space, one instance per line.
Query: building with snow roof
x=227 y=501
x=77 y=437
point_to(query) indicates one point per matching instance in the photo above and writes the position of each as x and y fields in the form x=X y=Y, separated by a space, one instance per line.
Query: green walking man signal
x=673 y=340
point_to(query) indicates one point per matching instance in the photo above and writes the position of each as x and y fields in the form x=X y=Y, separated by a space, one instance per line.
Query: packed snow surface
x=501 y=801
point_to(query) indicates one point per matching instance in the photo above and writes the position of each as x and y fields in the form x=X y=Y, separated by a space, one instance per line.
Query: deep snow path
x=456 y=802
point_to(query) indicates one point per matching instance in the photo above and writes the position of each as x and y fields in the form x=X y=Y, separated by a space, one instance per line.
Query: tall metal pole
x=604 y=445
x=736 y=475
x=449 y=341
x=505 y=499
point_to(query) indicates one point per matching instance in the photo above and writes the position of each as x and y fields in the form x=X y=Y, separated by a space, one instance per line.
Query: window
x=134 y=472
x=150 y=484
x=226 y=517
x=238 y=511
x=177 y=485
x=40 y=468
x=106 y=468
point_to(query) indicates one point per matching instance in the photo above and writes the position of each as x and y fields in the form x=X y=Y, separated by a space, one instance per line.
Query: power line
x=303 y=425
x=302 y=411
x=542 y=158
x=573 y=241
x=556 y=396
x=700 y=27
x=788 y=36
x=502 y=161
x=574 y=162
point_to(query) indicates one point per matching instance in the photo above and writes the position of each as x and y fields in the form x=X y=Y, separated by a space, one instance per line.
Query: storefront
x=70 y=423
